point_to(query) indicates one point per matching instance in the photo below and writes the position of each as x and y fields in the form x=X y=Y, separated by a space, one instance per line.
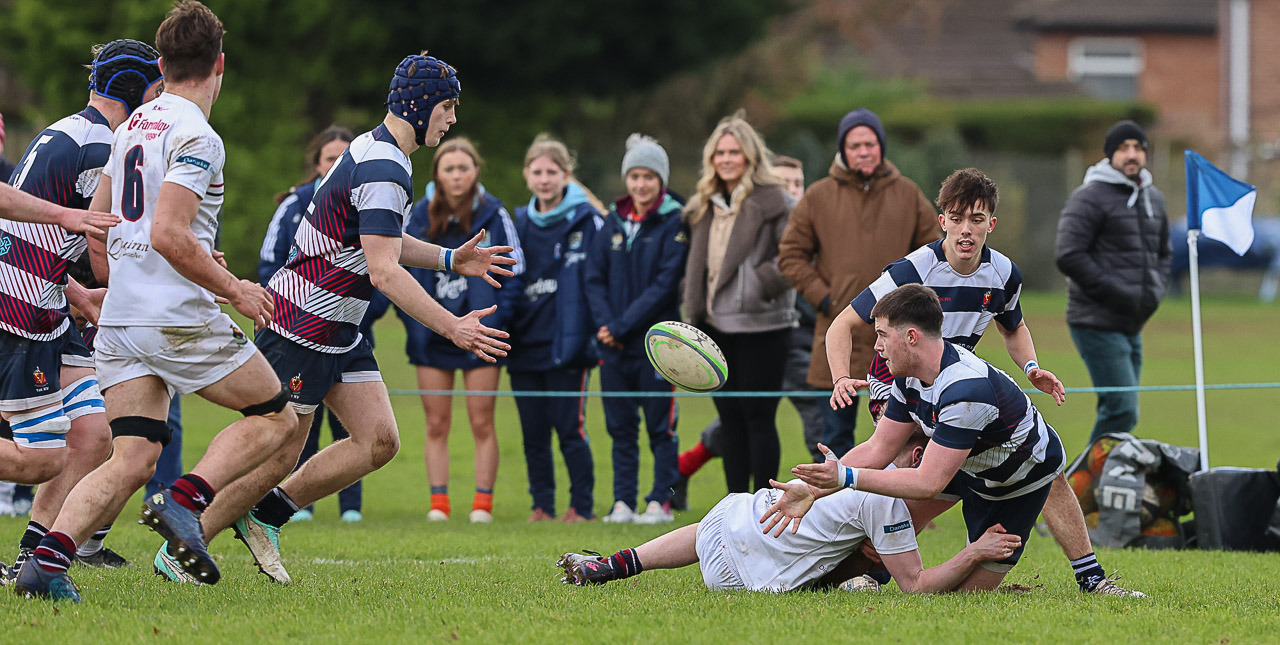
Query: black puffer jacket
x=1115 y=255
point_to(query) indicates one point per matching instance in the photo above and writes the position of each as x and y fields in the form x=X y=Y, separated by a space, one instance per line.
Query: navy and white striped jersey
x=63 y=165
x=969 y=302
x=974 y=406
x=323 y=290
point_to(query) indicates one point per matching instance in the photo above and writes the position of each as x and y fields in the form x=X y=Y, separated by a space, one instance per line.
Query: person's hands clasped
x=479 y=262
x=472 y=335
x=605 y=336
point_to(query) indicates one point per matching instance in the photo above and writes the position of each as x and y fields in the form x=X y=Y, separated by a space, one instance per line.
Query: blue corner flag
x=1218 y=204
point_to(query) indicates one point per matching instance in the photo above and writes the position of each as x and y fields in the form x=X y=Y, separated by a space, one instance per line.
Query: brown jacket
x=751 y=295
x=841 y=235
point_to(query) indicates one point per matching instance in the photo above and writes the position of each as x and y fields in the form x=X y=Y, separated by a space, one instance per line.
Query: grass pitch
x=396 y=577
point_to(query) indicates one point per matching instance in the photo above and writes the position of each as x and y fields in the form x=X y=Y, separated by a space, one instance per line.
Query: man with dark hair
x=989 y=447
x=63 y=164
x=848 y=226
x=1113 y=246
x=161 y=331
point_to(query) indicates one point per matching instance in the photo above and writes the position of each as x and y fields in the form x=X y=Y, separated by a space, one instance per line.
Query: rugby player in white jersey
x=976 y=285
x=734 y=554
x=161 y=331
x=350 y=243
x=53 y=363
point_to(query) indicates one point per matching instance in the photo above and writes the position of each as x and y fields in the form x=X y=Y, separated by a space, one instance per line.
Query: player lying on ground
x=733 y=553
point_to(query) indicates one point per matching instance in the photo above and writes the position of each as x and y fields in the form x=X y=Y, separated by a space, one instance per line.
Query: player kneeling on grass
x=734 y=553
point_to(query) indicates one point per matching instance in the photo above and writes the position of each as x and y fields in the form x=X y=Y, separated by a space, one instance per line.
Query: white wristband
x=848 y=477
x=1031 y=365
x=446 y=259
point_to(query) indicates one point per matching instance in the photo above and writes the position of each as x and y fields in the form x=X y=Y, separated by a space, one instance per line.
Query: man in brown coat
x=845 y=230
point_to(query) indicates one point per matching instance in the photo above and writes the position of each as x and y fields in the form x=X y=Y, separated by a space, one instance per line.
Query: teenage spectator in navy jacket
x=551 y=330
x=291 y=207
x=455 y=209
x=633 y=281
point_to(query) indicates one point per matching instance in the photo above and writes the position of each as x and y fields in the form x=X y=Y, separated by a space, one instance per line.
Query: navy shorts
x=77 y=352
x=309 y=374
x=1017 y=514
x=30 y=372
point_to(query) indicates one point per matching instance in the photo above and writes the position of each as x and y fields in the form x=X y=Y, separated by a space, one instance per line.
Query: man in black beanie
x=1113 y=246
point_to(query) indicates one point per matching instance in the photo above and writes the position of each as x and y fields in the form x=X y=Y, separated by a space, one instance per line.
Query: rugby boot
x=180 y=526
x=587 y=568
x=104 y=558
x=1108 y=587
x=34 y=581
x=263 y=541
x=166 y=567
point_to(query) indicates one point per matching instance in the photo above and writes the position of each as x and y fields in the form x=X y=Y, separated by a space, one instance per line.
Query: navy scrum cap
x=420 y=83
x=123 y=70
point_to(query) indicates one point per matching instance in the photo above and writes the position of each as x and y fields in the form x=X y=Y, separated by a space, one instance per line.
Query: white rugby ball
x=686 y=356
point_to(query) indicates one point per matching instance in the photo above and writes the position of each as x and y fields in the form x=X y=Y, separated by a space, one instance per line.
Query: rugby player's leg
x=365 y=409
x=268 y=424
x=38 y=452
x=670 y=550
x=1017 y=515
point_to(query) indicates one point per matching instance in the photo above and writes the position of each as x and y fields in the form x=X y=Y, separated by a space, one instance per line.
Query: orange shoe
x=571 y=516
x=540 y=515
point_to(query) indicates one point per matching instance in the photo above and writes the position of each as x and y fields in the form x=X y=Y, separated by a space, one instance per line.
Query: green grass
x=396 y=577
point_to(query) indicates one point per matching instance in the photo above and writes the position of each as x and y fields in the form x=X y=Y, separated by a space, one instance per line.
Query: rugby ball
x=686 y=357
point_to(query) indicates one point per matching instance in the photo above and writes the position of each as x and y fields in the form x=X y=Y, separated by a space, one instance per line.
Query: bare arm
x=383 y=254
x=909 y=571
x=877 y=452
x=21 y=207
x=171 y=236
x=468 y=259
x=98 y=248
x=839 y=349
x=1022 y=349
x=87 y=301
x=939 y=466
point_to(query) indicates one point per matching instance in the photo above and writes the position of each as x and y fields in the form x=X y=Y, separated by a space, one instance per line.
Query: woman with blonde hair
x=551 y=327
x=734 y=292
x=455 y=208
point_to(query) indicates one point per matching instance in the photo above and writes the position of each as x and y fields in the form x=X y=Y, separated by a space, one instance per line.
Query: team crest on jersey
x=575 y=240
x=617 y=240
x=986 y=298
x=5 y=245
x=238 y=335
x=295 y=383
x=39 y=377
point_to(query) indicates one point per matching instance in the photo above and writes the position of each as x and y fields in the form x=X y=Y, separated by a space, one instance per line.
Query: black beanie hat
x=860 y=116
x=1121 y=132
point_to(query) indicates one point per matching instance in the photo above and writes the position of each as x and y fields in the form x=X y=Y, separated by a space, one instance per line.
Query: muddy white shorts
x=187 y=359
x=718 y=570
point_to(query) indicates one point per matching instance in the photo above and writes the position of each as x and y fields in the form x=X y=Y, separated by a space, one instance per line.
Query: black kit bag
x=1237 y=509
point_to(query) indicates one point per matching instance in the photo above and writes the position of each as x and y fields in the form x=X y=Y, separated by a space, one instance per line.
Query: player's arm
x=384 y=253
x=939 y=466
x=101 y=202
x=20 y=207
x=839 y=350
x=171 y=236
x=877 y=452
x=1023 y=352
x=468 y=259
x=911 y=576
x=87 y=301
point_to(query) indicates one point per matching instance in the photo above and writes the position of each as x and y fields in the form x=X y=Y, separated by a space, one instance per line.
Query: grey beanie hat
x=644 y=152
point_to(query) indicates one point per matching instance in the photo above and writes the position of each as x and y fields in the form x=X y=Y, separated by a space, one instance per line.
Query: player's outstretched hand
x=1046 y=382
x=470 y=334
x=90 y=222
x=796 y=500
x=478 y=262
x=995 y=544
x=253 y=302
x=845 y=392
x=823 y=475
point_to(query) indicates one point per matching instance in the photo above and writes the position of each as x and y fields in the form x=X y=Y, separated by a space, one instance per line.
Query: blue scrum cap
x=419 y=84
x=123 y=70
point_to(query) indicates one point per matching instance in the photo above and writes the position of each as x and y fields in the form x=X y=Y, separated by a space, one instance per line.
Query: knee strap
x=268 y=407
x=45 y=428
x=150 y=429
x=82 y=397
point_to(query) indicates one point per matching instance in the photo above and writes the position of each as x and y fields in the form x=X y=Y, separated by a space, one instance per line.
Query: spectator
x=734 y=292
x=291 y=206
x=848 y=226
x=1113 y=246
x=454 y=209
x=634 y=268
x=6 y=168
x=551 y=329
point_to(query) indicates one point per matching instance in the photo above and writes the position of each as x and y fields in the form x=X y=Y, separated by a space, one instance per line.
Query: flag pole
x=1194 y=256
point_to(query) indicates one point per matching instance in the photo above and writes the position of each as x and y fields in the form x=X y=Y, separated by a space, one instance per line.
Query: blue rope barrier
x=804 y=393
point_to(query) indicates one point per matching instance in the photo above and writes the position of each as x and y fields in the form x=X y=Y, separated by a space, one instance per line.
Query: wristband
x=446 y=259
x=837 y=381
x=848 y=477
x=1031 y=365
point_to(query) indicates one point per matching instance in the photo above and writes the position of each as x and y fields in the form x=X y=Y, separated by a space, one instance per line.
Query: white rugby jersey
x=969 y=302
x=165 y=141
x=62 y=165
x=835 y=526
x=974 y=406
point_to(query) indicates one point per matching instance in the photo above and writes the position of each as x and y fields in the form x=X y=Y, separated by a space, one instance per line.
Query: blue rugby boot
x=33 y=581
x=180 y=526
x=166 y=567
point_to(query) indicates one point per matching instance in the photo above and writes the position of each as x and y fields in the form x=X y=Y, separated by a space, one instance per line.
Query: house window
x=1107 y=68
